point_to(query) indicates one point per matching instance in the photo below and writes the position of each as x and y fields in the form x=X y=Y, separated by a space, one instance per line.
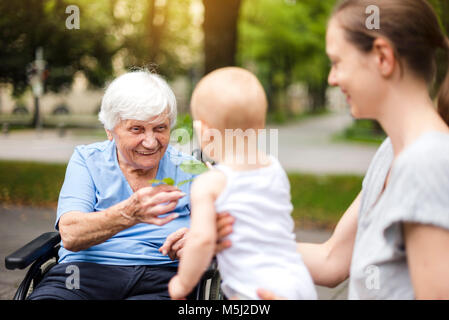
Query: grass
x=319 y=201
x=30 y=183
x=364 y=131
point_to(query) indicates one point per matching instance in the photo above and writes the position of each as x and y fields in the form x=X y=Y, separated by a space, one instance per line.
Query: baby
x=229 y=107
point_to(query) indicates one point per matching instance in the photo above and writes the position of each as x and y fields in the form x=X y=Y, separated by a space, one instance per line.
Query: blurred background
x=56 y=61
x=57 y=56
x=281 y=41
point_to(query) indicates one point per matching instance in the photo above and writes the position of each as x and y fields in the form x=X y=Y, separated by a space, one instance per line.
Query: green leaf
x=183 y=182
x=169 y=181
x=193 y=167
x=155 y=181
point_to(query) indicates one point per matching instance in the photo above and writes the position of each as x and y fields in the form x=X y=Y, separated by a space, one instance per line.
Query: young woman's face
x=354 y=72
x=141 y=144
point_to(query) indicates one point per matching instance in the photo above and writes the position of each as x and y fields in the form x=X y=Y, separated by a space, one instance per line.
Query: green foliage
x=363 y=130
x=27 y=25
x=30 y=183
x=163 y=40
x=110 y=30
x=189 y=166
x=168 y=181
x=322 y=200
x=193 y=167
x=285 y=41
x=184 y=122
x=442 y=9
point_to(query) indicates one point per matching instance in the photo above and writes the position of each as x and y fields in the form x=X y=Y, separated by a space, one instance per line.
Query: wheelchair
x=42 y=254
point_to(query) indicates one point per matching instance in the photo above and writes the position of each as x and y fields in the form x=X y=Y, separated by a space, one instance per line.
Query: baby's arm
x=201 y=239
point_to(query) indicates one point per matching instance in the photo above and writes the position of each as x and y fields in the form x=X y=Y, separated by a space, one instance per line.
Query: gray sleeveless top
x=417 y=191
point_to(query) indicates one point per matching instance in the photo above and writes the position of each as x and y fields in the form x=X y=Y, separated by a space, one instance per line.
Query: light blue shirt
x=95 y=182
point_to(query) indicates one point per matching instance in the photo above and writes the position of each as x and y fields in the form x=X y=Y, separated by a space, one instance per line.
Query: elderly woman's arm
x=80 y=230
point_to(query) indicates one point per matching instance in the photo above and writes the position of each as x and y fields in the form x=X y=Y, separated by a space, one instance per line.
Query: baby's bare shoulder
x=210 y=183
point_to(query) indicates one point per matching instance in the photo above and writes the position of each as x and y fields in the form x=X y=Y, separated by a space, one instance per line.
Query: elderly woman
x=112 y=222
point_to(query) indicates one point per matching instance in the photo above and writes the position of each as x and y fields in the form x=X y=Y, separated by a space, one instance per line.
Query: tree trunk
x=318 y=95
x=36 y=121
x=156 y=22
x=220 y=33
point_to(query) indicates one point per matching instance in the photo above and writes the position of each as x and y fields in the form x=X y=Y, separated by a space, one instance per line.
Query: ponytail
x=443 y=95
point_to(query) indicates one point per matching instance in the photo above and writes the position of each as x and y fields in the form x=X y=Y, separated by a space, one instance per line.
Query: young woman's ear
x=385 y=57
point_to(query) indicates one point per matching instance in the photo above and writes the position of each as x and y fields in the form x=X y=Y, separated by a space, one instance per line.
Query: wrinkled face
x=141 y=144
x=354 y=72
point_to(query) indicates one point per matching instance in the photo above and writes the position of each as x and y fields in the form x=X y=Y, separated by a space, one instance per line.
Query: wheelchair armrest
x=36 y=248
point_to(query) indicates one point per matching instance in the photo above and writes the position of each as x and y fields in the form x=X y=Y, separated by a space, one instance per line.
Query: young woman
x=392 y=241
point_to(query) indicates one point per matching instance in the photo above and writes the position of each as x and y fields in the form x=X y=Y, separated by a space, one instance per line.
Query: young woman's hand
x=224 y=229
x=268 y=295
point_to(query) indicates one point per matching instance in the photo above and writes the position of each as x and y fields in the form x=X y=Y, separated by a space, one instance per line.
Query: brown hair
x=413 y=29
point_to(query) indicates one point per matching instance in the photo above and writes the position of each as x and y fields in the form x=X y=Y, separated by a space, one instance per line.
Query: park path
x=310 y=146
x=307 y=146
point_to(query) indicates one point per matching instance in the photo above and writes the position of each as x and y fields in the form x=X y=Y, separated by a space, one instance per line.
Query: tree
x=220 y=33
x=158 y=34
x=27 y=25
x=161 y=36
x=286 y=42
x=442 y=9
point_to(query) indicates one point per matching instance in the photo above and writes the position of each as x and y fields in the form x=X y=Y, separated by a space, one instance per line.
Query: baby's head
x=230 y=98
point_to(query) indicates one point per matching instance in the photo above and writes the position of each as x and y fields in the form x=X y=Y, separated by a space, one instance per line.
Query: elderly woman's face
x=141 y=144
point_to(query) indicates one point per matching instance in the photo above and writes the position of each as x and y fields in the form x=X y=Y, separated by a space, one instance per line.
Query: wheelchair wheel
x=43 y=271
x=215 y=292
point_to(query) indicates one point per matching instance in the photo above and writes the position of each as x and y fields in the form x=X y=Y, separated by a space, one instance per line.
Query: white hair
x=137 y=95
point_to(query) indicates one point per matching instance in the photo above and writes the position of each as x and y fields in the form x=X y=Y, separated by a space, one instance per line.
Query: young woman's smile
x=354 y=72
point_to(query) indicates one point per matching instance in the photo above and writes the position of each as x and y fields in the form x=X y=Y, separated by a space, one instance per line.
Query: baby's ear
x=196 y=124
x=200 y=126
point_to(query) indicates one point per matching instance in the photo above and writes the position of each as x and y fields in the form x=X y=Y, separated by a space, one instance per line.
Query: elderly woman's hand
x=147 y=204
x=174 y=244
